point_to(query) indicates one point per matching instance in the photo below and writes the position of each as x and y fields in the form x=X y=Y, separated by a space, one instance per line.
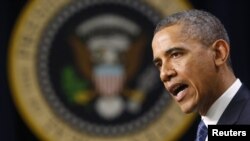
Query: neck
x=224 y=81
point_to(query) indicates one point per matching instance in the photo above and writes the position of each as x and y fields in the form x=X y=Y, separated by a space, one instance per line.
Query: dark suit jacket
x=238 y=110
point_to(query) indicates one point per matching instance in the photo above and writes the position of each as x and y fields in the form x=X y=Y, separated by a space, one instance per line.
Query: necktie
x=201 y=132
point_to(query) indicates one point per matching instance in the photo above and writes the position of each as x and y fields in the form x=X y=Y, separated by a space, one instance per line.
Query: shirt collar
x=218 y=107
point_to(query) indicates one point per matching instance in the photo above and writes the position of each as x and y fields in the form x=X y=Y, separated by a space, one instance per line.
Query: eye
x=176 y=54
x=158 y=65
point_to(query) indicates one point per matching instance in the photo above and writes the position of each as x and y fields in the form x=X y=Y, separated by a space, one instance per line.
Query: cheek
x=199 y=65
x=196 y=66
x=200 y=74
x=196 y=71
x=185 y=66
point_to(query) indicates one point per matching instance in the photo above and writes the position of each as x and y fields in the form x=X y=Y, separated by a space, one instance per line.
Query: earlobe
x=221 y=52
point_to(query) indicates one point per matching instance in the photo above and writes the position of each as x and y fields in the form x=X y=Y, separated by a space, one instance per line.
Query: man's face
x=186 y=68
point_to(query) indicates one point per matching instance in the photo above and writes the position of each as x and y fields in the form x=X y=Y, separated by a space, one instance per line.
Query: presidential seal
x=82 y=70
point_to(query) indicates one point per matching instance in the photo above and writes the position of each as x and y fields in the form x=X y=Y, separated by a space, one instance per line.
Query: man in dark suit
x=191 y=49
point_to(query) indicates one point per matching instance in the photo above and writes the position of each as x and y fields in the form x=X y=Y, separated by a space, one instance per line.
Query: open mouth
x=178 y=88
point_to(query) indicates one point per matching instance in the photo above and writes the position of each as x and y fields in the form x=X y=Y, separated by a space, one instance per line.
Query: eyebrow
x=169 y=51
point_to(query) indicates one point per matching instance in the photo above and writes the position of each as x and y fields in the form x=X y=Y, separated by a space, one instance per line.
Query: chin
x=187 y=109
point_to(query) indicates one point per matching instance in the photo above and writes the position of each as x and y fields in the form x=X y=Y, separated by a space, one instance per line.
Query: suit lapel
x=234 y=109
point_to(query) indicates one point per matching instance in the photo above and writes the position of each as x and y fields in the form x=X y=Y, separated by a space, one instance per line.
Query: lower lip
x=181 y=95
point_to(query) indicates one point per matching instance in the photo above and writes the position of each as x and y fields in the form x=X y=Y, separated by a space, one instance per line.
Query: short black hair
x=197 y=24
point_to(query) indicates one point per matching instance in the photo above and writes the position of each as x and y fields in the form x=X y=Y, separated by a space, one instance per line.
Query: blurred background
x=235 y=15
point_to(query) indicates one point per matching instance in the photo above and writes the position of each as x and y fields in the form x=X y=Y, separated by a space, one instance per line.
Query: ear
x=221 y=52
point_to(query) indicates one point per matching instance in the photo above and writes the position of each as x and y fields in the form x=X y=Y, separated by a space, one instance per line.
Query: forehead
x=168 y=35
x=172 y=31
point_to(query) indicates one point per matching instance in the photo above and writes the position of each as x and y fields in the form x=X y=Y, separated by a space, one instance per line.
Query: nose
x=167 y=73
